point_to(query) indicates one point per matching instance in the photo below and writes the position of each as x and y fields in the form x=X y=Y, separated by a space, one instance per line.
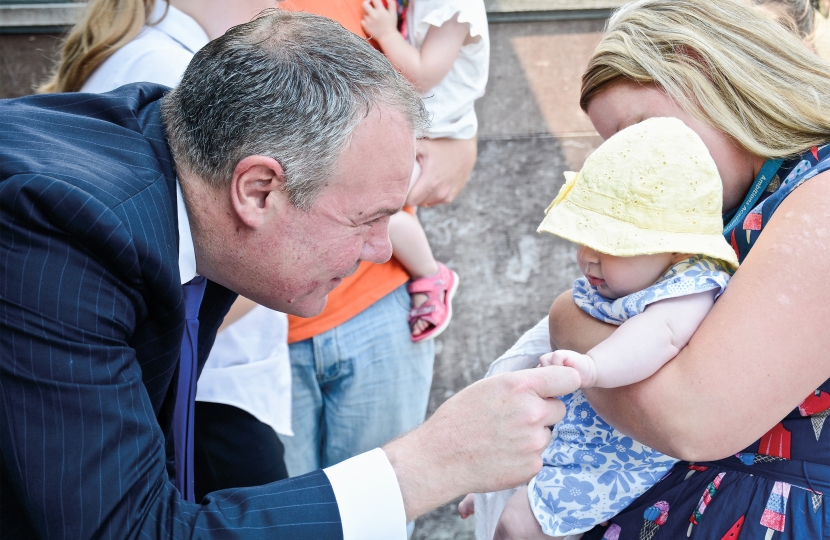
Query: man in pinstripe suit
x=271 y=171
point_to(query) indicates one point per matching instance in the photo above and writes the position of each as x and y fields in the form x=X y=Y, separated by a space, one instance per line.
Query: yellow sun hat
x=651 y=188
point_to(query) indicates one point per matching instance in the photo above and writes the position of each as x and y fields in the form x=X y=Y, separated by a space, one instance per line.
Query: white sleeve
x=161 y=67
x=139 y=61
x=526 y=352
x=437 y=12
x=368 y=497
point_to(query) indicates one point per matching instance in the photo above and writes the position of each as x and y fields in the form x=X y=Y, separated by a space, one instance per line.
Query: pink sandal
x=435 y=311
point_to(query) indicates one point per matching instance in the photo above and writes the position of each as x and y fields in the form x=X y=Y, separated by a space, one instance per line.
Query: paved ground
x=531 y=131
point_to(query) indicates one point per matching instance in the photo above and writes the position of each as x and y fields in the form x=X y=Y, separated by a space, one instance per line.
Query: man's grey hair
x=291 y=86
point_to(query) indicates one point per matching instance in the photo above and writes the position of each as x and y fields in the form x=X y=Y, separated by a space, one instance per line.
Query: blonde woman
x=244 y=391
x=745 y=402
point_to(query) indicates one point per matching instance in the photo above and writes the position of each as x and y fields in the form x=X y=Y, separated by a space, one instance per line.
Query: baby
x=646 y=213
x=442 y=48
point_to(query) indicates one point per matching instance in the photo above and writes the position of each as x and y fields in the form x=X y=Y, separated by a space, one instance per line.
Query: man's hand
x=489 y=436
x=582 y=363
x=380 y=20
x=446 y=165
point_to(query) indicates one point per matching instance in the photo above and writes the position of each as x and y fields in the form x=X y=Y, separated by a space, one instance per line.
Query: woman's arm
x=762 y=349
x=573 y=329
x=424 y=68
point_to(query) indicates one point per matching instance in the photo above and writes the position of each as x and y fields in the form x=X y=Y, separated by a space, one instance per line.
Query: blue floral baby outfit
x=591 y=471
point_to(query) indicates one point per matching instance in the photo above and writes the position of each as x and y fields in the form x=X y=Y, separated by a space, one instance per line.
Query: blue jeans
x=357 y=386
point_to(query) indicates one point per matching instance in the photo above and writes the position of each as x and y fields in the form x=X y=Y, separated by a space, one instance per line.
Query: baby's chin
x=605 y=291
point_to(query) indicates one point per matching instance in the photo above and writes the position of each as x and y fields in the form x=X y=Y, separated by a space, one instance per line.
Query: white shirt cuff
x=369 y=498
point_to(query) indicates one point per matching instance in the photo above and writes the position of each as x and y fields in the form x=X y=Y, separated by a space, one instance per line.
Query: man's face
x=303 y=255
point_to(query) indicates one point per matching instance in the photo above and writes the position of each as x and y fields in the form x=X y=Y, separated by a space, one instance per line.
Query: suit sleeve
x=82 y=450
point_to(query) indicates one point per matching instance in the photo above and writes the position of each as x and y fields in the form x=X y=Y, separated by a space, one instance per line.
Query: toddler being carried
x=442 y=47
x=646 y=213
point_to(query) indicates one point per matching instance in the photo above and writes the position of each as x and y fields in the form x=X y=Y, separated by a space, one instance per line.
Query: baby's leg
x=517 y=521
x=410 y=245
x=409 y=241
x=411 y=248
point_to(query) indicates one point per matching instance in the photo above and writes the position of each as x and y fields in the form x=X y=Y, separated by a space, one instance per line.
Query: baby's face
x=615 y=277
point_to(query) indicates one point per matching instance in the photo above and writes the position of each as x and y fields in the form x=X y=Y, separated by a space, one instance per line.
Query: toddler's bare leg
x=411 y=248
x=517 y=521
x=410 y=245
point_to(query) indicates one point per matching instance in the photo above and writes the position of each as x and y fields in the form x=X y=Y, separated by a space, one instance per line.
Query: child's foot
x=419 y=326
x=432 y=303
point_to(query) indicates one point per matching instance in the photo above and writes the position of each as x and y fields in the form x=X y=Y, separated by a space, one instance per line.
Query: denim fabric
x=357 y=386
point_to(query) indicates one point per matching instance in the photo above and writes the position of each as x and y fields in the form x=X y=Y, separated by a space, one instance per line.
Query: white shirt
x=450 y=103
x=159 y=53
x=365 y=486
x=248 y=367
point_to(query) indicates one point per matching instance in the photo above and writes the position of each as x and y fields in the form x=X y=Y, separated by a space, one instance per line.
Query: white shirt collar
x=187 y=253
x=179 y=26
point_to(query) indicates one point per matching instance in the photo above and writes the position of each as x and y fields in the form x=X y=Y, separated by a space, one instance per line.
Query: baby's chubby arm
x=641 y=345
x=424 y=68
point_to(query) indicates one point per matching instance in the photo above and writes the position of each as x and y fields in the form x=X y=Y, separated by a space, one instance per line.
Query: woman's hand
x=446 y=165
x=760 y=352
x=380 y=18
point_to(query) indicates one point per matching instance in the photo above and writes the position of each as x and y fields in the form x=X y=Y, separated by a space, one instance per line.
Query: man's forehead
x=377 y=164
x=380 y=212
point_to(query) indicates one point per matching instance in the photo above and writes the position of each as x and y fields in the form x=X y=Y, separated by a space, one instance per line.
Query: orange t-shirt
x=372 y=281
x=349 y=13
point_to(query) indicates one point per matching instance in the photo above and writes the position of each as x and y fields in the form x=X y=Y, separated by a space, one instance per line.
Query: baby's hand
x=379 y=19
x=582 y=363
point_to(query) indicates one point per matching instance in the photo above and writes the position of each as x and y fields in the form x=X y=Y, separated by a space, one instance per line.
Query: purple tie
x=193 y=291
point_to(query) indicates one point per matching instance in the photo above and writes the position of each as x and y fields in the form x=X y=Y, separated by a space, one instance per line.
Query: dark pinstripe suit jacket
x=91 y=320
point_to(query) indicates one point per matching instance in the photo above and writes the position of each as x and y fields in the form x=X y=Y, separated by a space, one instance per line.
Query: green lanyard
x=765 y=176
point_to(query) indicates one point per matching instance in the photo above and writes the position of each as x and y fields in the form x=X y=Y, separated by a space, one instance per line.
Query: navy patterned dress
x=775 y=488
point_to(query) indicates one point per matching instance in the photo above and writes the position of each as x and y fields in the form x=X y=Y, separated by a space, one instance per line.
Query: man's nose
x=377 y=248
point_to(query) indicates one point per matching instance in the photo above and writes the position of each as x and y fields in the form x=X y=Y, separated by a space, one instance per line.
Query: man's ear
x=256 y=189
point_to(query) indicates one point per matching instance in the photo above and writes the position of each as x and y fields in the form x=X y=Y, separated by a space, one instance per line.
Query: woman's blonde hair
x=105 y=27
x=725 y=63
x=797 y=16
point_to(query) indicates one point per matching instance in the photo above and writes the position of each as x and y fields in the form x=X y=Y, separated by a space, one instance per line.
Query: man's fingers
x=555 y=413
x=551 y=381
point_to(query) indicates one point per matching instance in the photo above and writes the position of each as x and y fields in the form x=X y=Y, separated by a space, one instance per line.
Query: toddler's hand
x=379 y=19
x=582 y=363
x=466 y=507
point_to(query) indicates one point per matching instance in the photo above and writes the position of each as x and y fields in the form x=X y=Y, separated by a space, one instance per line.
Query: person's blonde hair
x=723 y=62
x=105 y=27
x=797 y=16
